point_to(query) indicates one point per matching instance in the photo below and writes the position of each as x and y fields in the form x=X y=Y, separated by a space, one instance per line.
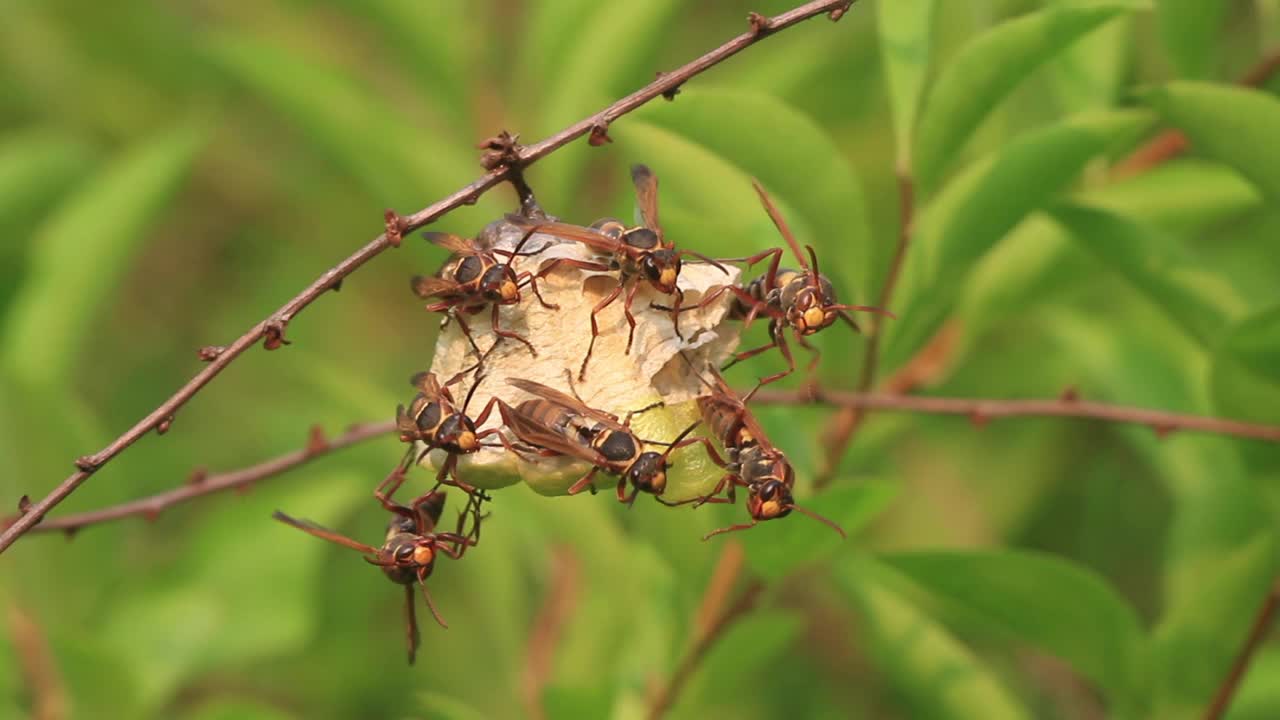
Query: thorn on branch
x=396 y=226
x=1070 y=394
x=198 y=476
x=839 y=12
x=273 y=334
x=337 y=285
x=1163 y=431
x=244 y=489
x=209 y=353
x=978 y=419
x=86 y=463
x=671 y=93
x=164 y=425
x=151 y=514
x=24 y=505
x=316 y=442
x=70 y=533
x=599 y=135
x=760 y=25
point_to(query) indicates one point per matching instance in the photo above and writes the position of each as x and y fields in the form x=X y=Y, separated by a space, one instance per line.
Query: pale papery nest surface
x=616 y=382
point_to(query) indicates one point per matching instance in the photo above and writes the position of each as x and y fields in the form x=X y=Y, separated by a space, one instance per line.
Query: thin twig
x=845 y=423
x=548 y=627
x=1257 y=633
x=713 y=617
x=981 y=410
x=1172 y=143
x=44 y=684
x=202 y=484
x=271 y=330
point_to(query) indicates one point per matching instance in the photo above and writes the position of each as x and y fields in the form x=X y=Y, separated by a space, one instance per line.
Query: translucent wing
x=531 y=432
x=565 y=401
x=781 y=224
x=425 y=286
x=647 y=196
x=591 y=238
x=453 y=243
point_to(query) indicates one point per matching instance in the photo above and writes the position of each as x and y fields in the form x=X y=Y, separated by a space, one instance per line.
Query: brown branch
x=1172 y=143
x=1261 y=625
x=843 y=426
x=271 y=330
x=548 y=627
x=710 y=624
x=202 y=484
x=980 y=411
x=44 y=684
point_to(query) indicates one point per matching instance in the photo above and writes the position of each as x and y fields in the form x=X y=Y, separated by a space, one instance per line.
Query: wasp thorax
x=616 y=446
x=642 y=238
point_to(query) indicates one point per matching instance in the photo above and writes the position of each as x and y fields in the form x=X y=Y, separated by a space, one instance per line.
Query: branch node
x=1070 y=394
x=151 y=514
x=163 y=426
x=396 y=227
x=273 y=333
x=501 y=150
x=209 y=353
x=316 y=442
x=24 y=505
x=198 y=476
x=671 y=93
x=70 y=533
x=599 y=134
x=244 y=489
x=1163 y=430
x=979 y=419
x=87 y=463
x=760 y=25
x=839 y=12
x=337 y=285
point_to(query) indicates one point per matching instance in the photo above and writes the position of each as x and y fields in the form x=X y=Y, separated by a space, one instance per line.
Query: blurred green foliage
x=170 y=173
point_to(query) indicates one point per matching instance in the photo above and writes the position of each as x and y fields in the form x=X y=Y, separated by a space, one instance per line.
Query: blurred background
x=170 y=173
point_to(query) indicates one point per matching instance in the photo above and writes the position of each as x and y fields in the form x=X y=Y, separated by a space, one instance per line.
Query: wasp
x=753 y=462
x=409 y=550
x=434 y=418
x=802 y=300
x=639 y=255
x=554 y=423
x=474 y=278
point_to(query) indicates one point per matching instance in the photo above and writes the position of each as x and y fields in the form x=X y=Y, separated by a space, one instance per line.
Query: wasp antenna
x=813 y=269
x=431 y=605
x=528 y=234
x=848 y=319
x=820 y=519
x=696 y=372
x=471 y=392
x=779 y=223
x=865 y=308
x=679 y=437
x=747 y=398
x=706 y=259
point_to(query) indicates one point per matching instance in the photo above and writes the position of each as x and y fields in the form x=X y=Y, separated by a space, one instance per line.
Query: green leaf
x=986 y=70
x=1197 y=300
x=81 y=251
x=808 y=174
x=983 y=204
x=937 y=675
x=1183 y=196
x=398 y=164
x=775 y=549
x=237 y=710
x=1246 y=368
x=1234 y=125
x=906 y=34
x=36 y=166
x=1052 y=604
x=1190 y=30
x=1089 y=73
x=439 y=706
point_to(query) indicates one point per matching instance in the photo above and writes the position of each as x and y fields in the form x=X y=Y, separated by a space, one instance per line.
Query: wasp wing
x=647 y=196
x=566 y=401
x=593 y=239
x=453 y=243
x=781 y=224
x=425 y=286
x=531 y=432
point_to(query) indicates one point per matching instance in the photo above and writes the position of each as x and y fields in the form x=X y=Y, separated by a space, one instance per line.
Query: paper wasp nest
x=616 y=382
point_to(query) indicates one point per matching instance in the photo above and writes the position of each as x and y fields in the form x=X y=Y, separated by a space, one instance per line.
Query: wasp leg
x=595 y=328
x=810 y=382
x=731 y=528
x=631 y=319
x=781 y=339
x=583 y=482
x=532 y=282
x=466 y=330
x=411 y=621
x=493 y=319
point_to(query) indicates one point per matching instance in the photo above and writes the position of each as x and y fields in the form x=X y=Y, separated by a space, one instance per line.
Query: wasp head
x=770 y=500
x=408 y=558
x=457 y=434
x=809 y=305
x=499 y=285
x=661 y=268
x=649 y=473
